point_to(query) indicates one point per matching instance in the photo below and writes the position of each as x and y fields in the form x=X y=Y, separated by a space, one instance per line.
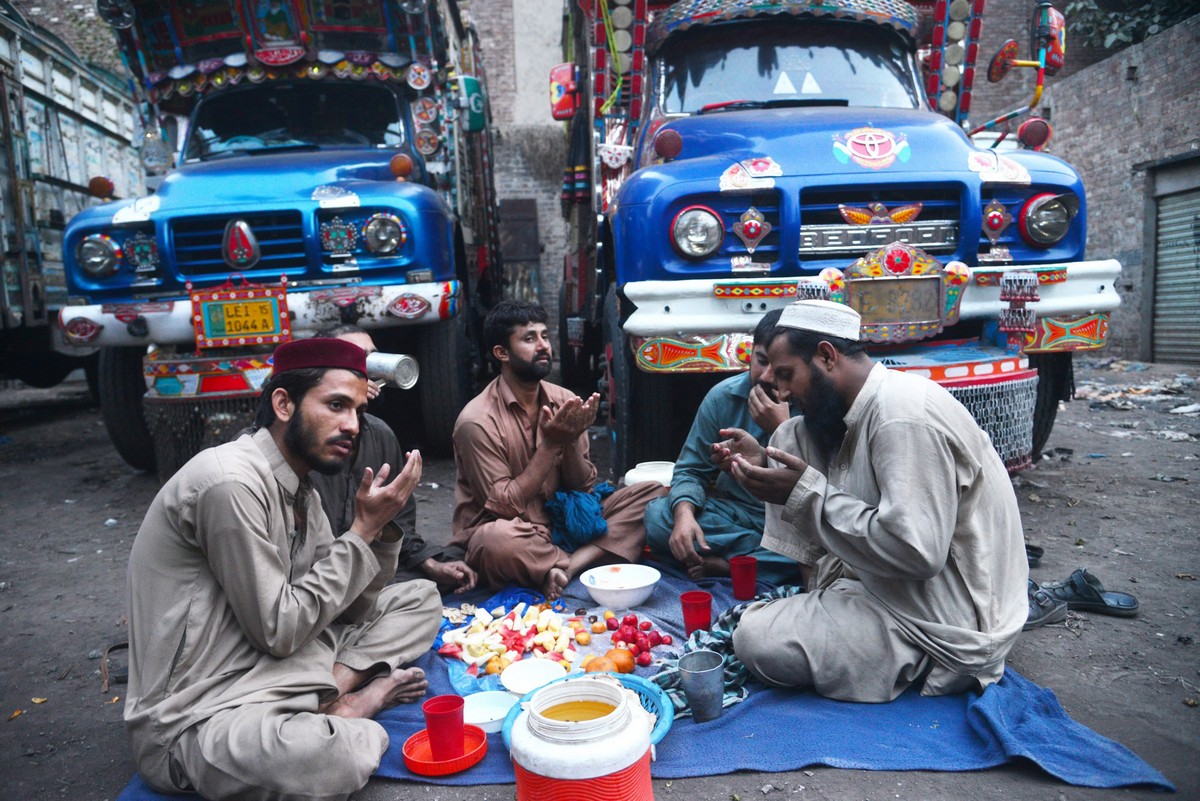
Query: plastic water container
x=606 y=757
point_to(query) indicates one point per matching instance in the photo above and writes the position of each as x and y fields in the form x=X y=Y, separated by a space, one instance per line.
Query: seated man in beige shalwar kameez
x=890 y=494
x=260 y=644
x=517 y=443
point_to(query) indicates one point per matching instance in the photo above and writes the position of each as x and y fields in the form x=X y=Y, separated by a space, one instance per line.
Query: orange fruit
x=601 y=664
x=621 y=658
x=582 y=637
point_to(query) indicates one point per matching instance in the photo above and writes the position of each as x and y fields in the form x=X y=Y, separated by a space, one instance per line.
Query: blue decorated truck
x=729 y=156
x=315 y=162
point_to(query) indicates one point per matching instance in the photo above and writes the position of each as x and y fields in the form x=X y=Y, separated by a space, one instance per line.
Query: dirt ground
x=1119 y=493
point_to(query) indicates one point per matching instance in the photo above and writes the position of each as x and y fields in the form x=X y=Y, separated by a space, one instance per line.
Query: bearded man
x=901 y=514
x=516 y=444
x=260 y=644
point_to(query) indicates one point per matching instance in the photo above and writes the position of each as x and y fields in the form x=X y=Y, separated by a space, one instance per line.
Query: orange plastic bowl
x=419 y=759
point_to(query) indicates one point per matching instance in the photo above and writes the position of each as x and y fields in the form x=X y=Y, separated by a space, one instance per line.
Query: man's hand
x=455 y=574
x=765 y=410
x=736 y=443
x=373 y=389
x=687 y=538
x=770 y=484
x=575 y=416
x=377 y=502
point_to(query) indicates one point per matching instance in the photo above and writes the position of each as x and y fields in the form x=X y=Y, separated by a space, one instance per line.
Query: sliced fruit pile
x=495 y=639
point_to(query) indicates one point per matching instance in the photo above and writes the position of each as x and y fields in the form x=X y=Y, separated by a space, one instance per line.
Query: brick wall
x=530 y=149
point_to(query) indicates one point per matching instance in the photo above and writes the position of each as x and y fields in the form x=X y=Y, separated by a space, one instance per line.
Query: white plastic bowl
x=620 y=586
x=487 y=710
x=650 y=471
x=529 y=674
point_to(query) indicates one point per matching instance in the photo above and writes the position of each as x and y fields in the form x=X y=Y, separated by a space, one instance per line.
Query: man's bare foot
x=708 y=566
x=556 y=581
x=397 y=687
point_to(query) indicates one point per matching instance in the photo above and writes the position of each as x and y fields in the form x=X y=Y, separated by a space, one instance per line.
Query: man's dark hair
x=296 y=383
x=504 y=317
x=340 y=330
x=804 y=343
x=766 y=325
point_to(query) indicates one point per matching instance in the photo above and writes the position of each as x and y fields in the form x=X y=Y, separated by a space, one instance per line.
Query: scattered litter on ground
x=1192 y=409
x=38 y=700
x=1166 y=478
x=1097 y=455
x=16 y=714
x=110 y=522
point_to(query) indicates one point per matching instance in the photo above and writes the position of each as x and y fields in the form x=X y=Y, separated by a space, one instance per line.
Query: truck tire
x=639 y=404
x=447 y=382
x=122 y=388
x=1056 y=382
x=44 y=370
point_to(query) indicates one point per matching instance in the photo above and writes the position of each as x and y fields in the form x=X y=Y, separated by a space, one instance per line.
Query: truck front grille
x=825 y=234
x=196 y=242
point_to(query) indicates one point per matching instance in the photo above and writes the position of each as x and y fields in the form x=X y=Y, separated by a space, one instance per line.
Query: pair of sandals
x=1081 y=591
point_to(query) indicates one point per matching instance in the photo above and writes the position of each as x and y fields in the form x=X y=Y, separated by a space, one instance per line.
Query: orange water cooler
x=607 y=757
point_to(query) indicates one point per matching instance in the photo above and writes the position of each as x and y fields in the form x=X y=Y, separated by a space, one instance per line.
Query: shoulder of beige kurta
x=244 y=526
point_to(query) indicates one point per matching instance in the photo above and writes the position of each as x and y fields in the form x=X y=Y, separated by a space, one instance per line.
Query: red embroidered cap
x=301 y=354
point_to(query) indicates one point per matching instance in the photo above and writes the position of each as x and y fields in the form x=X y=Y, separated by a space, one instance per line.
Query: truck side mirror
x=564 y=92
x=1050 y=30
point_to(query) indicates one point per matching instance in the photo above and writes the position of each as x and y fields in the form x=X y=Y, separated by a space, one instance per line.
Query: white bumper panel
x=170 y=322
x=678 y=308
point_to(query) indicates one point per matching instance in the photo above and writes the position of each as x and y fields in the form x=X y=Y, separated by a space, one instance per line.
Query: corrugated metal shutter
x=1177 y=279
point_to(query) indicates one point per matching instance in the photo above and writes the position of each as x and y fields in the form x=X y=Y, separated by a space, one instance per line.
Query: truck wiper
x=783 y=102
x=258 y=151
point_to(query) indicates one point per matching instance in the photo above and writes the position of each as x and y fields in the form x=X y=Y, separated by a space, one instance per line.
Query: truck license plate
x=883 y=301
x=226 y=318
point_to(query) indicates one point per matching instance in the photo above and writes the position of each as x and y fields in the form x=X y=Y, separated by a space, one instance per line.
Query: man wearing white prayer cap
x=900 y=513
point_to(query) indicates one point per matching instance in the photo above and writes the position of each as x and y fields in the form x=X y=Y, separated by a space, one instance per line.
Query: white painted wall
x=537 y=29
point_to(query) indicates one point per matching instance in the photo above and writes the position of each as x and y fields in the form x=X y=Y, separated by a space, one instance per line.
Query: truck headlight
x=384 y=234
x=1046 y=218
x=98 y=255
x=697 y=231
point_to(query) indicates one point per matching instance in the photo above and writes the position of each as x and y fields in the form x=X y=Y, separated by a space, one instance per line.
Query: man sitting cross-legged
x=377 y=445
x=517 y=443
x=260 y=644
x=889 y=489
x=708 y=517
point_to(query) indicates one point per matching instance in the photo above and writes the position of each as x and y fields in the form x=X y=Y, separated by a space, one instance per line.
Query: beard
x=302 y=441
x=824 y=414
x=530 y=371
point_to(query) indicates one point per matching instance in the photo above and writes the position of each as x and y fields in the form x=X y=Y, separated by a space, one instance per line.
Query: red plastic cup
x=744 y=570
x=444 y=722
x=697 y=610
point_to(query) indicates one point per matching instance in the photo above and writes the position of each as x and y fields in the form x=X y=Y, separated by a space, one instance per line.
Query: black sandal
x=1043 y=608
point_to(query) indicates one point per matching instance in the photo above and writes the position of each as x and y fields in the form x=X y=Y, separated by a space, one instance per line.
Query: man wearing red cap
x=261 y=644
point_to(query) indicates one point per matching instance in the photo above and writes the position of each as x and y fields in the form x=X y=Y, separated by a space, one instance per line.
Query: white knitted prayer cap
x=822 y=317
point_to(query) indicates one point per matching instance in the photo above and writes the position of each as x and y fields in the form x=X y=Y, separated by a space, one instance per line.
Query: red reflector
x=668 y=143
x=223 y=382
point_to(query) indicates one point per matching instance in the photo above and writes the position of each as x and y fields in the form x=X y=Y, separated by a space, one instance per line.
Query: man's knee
x=256 y=752
x=770 y=655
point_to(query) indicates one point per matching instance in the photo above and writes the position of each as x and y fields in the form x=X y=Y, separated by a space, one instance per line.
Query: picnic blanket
x=774 y=730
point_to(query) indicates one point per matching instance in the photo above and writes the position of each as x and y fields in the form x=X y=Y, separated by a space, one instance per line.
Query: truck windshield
x=771 y=62
x=306 y=114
